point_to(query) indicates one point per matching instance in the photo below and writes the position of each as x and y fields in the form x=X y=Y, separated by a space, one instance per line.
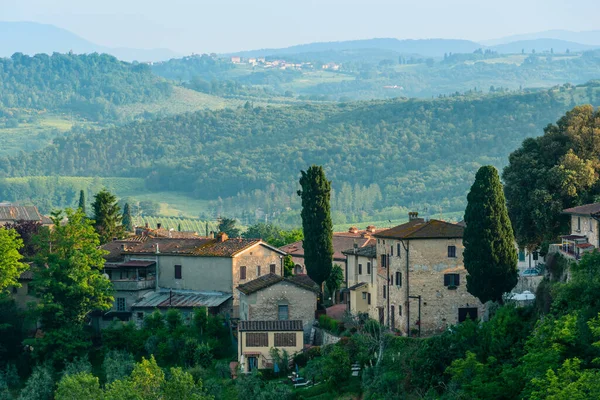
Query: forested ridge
x=87 y=84
x=416 y=151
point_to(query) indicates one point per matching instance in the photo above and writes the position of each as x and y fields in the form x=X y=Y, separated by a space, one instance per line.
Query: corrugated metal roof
x=289 y=325
x=166 y=299
x=14 y=213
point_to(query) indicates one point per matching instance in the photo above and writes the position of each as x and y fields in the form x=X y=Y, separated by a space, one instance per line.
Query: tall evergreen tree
x=490 y=254
x=82 y=201
x=127 y=220
x=107 y=216
x=316 y=223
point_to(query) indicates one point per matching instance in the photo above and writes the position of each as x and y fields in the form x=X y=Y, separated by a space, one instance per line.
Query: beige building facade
x=256 y=339
x=584 y=236
x=421 y=277
x=360 y=294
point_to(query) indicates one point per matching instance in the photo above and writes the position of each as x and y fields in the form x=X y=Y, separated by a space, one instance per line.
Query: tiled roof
x=367 y=251
x=165 y=299
x=268 y=280
x=358 y=285
x=421 y=229
x=261 y=326
x=341 y=241
x=585 y=209
x=198 y=246
x=26 y=275
x=13 y=213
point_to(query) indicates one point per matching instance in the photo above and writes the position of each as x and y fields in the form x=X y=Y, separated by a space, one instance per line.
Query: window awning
x=136 y=264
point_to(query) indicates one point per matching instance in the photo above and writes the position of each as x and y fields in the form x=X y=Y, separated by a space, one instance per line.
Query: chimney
x=413 y=215
x=146 y=225
x=158 y=225
x=157 y=250
x=353 y=229
x=222 y=236
x=371 y=228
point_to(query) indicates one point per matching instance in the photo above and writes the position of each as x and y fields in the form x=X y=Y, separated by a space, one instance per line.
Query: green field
x=174 y=204
x=186 y=224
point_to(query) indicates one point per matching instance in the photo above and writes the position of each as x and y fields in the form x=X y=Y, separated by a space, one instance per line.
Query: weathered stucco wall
x=263 y=353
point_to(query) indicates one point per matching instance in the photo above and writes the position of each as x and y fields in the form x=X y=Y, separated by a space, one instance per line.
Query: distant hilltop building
x=12 y=213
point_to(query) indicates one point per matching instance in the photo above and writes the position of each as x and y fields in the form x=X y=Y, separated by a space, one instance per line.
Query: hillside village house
x=584 y=231
x=257 y=338
x=341 y=241
x=24 y=295
x=149 y=272
x=421 y=277
x=275 y=298
x=360 y=294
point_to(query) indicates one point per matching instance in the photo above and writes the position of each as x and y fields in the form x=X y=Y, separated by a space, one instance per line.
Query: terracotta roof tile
x=268 y=280
x=585 y=209
x=261 y=326
x=367 y=251
x=421 y=229
x=341 y=241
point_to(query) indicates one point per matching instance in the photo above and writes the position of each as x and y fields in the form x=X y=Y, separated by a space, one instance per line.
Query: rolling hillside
x=409 y=151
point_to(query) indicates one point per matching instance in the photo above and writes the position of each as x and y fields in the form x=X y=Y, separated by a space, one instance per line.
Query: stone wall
x=264 y=304
x=428 y=263
x=587 y=227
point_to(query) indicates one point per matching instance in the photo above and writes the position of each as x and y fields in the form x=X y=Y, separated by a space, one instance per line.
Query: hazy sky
x=228 y=25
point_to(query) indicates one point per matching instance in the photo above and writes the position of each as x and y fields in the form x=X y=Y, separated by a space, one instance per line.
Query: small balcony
x=572 y=246
x=132 y=285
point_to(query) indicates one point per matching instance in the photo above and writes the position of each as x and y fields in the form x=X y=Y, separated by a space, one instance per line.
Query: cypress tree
x=316 y=223
x=82 y=201
x=490 y=254
x=107 y=216
x=127 y=220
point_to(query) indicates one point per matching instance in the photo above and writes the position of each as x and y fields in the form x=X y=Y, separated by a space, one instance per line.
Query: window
x=364 y=295
x=360 y=269
x=384 y=294
x=368 y=268
x=368 y=298
x=242 y=272
x=451 y=251
x=400 y=310
x=383 y=241
x=470 y=312
x=178 y=272
x=451 y=280
x=591 y=226
x=272 y=268
x=140 y=315
x=392 y=280
x=398 y=278
x=258 y=270
x=521 y=255
x=578 y=224
x=120 y=303
x=257 y=339
x=283 y=312
x=15 y=290
x=393 y=322
x=398 y=252
x=391 y=250
x=535 y=256
x=383 y=261
x=285 y=339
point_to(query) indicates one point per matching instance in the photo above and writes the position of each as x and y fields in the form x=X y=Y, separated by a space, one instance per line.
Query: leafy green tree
x=147 y=379
x=288 y=265
x=334 y=280
x=316 y=223
x=68 y=274
x=569 y=382
x=227 y=225
x=490 y=255
x=107 y=216
x=82 y=201
x=127 y=220
x=82 y=385
x=11 y=266
x=180 y=385
x=117 y=364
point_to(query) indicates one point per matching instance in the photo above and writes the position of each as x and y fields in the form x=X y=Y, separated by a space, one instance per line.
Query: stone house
x=24 y=295
x=421 y=277
x=275 y=298
x=360 y=294
x=257 y=338
x=341 y=241
x=584 y=235
x=142 y=266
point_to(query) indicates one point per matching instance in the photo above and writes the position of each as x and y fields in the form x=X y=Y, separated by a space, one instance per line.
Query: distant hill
x=424 y=47
x=414 y=151
x=541 y=45
x=584 y=37
x=32 y=38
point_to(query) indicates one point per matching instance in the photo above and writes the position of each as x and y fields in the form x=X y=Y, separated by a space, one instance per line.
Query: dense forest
x=417 y=152
x=84 y=84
